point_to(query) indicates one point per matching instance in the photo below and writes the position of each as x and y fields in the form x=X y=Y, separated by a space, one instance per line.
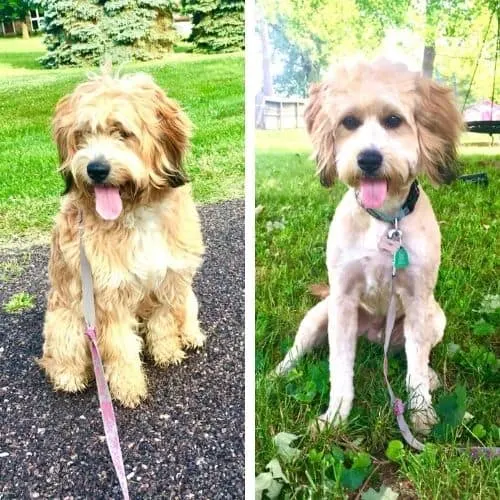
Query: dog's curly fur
x=143 y=262
x=413 y=126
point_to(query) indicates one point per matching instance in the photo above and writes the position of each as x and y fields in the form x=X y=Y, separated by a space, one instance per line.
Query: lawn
x=210 y=88
x=294 y=213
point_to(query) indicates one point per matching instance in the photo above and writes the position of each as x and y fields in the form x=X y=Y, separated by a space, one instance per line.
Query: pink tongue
x=373 y=192
x=108 y=202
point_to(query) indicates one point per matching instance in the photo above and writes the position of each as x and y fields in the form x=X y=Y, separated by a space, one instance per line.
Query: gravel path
x=186 y=441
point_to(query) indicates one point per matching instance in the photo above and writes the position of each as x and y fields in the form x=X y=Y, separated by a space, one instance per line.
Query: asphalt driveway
x=187 y=439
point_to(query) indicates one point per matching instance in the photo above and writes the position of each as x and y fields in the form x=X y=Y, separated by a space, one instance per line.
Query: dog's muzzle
x=98 y=170
x=369 y=161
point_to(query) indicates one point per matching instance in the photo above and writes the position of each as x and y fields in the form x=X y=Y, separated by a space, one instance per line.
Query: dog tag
x=401 y=260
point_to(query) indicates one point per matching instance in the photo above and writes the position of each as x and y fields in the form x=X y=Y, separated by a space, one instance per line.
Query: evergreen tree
x=218 y=25
x=84 y=31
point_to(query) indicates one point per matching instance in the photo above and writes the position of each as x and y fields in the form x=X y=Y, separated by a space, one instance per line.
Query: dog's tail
x=320 y=290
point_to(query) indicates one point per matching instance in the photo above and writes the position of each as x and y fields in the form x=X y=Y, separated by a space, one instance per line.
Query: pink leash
x=106 y=405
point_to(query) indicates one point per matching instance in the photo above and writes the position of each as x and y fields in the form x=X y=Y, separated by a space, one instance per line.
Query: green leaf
x=319 y=375
x=274 y=489
x=337 y=454
x=315 y=456
x=483 y=328
x=395 y=450
x=479 y=431
x=306 y=393
x=451 y=407
x=352 y=479
x=490 y=304
x=385 y=493
x=495 y=433
x=271 y=481
x=361 y=460
x=282 y=442
x=275 y=469
x=263 y=482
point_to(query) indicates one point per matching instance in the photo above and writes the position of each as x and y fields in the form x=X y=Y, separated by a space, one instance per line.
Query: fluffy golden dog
x=377 y=126
x=121 y=144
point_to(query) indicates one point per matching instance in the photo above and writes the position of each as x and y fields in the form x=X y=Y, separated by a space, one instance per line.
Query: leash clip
x=395 y=233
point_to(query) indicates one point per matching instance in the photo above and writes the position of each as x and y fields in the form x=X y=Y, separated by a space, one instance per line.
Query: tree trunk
x=267 y=86
x=26 y=33
x=428 y=63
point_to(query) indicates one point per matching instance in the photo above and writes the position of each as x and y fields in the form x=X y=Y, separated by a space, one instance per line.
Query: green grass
x=290 y=255
x=19 y=302
x=210 y=88
x=13 y=267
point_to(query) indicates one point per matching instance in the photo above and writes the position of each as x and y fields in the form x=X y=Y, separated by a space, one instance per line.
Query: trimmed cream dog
x=121 y=144
x=377 y=126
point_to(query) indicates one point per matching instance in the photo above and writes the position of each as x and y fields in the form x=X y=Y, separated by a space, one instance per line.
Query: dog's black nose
x=98 y=170
x=369 y=160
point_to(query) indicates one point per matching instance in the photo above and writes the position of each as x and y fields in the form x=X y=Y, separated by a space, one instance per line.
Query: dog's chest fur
x=370 y=269
x=141 y=259
x=359 y=267
x=149 y=255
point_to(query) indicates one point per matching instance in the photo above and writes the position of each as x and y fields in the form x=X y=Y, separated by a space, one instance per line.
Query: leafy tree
x=457 y=58
x=11 y=10
x=218 y=25
x=444 y=18
x=308 y=35
x=84 y=31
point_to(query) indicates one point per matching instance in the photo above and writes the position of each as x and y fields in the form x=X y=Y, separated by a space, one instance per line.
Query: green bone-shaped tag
x=401 y=259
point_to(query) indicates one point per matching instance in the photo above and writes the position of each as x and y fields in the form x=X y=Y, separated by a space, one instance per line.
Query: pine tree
x=81 y=32
x=218 y=25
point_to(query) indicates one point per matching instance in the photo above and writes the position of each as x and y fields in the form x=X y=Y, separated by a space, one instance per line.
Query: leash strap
x=105 y=402
x=398 y=406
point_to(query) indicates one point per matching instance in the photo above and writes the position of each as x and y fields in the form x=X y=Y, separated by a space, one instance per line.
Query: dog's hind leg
x=312 y=332
x=190 y=331
x=163 y=339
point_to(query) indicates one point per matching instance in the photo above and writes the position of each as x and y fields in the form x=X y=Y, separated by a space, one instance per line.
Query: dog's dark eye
x=350 y=122
x=78 y=136
x=392 y=121
x=125 y=135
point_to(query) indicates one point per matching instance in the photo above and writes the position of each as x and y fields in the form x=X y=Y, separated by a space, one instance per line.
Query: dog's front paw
x=127 y=384
x=331 y=418
x=193 y=338
x=167 y=352
x=68 y=378
x=423 y=418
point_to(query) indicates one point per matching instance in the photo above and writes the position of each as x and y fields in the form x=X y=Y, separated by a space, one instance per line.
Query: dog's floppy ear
x=62 y=129
x=175 y=131
x=320 y=129
x=64 y=137
x=439 y=126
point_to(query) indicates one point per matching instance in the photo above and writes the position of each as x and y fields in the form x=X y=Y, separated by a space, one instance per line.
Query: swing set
x=486 y=126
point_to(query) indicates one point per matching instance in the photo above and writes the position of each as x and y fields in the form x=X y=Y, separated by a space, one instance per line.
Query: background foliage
x=15 y=9
x=307 y=35
x=218 y=25
x=81 y=31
